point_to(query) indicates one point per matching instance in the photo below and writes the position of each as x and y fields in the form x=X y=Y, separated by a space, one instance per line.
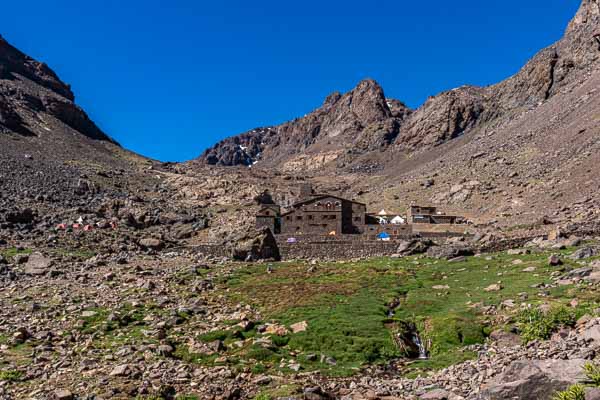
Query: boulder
x=554 y=260
x=121 y=370
x=62 y=394
x=534 y=379
x=315 y=393
x=298 y=327
x=24 y=216
x=415 y=246
x=258 y=244
x=505 y=339
x=182 y=231
x=578 y=273
x=436 y=394
x=590 y=330
x=495 y=287
x=37 y=264
x=592 y=393
x=584 y=252
x=151 y=243
x=450 y=251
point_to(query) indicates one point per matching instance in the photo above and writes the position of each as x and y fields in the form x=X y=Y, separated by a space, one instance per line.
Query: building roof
x=321 y=197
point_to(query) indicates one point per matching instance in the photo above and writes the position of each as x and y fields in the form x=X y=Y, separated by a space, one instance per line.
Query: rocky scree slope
x=57 y=165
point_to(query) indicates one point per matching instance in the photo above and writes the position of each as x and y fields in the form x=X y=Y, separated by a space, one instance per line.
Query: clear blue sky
x=169 y=78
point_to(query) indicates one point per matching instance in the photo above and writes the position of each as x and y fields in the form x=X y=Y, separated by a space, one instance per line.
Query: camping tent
x=382 y=212
x=397 y=220
x=383 y=236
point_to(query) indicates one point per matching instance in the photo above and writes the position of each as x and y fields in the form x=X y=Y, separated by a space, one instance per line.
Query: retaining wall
x=339 y=250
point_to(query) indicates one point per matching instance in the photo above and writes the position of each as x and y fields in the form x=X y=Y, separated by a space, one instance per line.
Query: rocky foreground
x=126 y=325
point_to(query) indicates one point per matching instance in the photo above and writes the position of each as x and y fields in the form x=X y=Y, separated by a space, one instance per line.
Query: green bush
x=452 y=331
x=575 y=392
x=592 y=373
x=10 y=376
x=214 y=335
x=534 y=324
x=261 y=354
x=280 y=341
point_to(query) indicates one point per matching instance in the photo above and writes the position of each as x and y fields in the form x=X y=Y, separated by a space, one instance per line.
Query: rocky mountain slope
x=511 y=152
x=363 y=120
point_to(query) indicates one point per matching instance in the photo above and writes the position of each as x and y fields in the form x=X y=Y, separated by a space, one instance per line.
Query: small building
x=269 y=216
x=430 y=215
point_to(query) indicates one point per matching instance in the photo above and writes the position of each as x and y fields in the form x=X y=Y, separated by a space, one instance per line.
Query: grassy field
x=347 y=308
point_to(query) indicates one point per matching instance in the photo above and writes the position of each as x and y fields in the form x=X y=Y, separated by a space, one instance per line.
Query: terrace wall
x=336 y=250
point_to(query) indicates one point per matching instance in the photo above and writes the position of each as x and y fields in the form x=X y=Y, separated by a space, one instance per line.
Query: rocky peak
x=29 y=89
x=13 y=61
x=588 y=14
x=367 y=101
x=332 y=99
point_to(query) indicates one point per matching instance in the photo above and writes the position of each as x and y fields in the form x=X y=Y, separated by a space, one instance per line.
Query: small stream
x=410 y=338
x=419 y=343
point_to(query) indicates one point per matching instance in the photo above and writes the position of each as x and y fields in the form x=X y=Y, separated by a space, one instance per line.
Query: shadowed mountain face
x=30 y=92
x=363 y=121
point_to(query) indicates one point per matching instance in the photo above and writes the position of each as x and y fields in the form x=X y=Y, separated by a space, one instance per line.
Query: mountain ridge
x=441 y=118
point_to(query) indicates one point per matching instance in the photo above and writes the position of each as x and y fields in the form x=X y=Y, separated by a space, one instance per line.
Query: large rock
x=450 y=251
x=534 y=379
x=24 y=216
x=415 y=246
x=151 y=243
x=590 y=330
x=37 y=264
x=258 y=244
x=584 y=252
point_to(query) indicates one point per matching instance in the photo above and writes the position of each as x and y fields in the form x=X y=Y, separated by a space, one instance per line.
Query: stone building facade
x=329 y=215
x=431 y=215
x=324 y=214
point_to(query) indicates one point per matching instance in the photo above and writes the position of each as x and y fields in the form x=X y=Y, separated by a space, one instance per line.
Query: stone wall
x=328 y=247
x=215 y=250
x=336 y=250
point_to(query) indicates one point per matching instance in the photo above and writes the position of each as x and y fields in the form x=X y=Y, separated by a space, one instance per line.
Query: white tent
x=382 y=212
x=398 y=220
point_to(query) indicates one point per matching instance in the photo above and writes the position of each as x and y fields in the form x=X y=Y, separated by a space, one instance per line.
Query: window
x=288 y=218
x=310 y=217
x=356 y=219
x=333 y=216
x=299 y=217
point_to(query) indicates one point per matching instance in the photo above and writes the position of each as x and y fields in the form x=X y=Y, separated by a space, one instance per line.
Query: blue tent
x=383 y=235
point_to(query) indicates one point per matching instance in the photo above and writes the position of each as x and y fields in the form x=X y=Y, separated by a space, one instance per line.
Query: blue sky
x=169 y=78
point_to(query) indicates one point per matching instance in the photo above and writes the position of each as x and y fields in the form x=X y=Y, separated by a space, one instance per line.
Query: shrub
x=10 y=376
x=537 y=325
x=575 y=392
x=592 y=373
x=214 y=335
x=260 y=354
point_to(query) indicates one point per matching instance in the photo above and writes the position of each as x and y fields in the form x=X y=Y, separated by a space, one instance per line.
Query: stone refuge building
x=330 y=215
